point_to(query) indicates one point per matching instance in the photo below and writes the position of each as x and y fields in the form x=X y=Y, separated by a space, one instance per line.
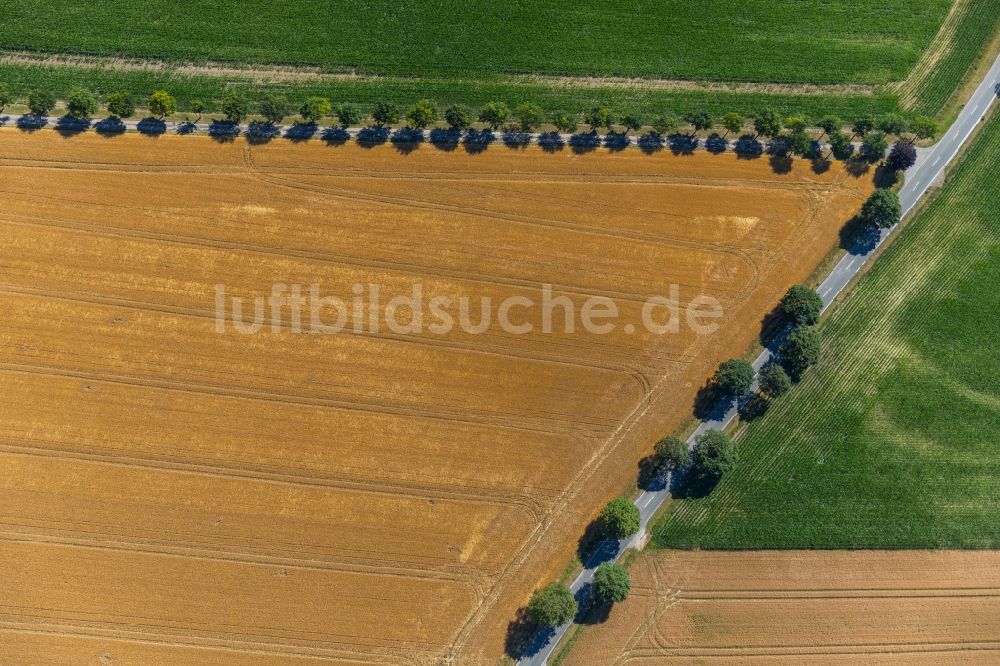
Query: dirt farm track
x=171 y=494
x=888 y=608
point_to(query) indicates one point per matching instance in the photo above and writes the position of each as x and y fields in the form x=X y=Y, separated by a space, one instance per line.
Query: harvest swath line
x=202 y=313
x=407 y=203
x=16 y=533
x=155 y=635
x=273 y=396
x=268 y=474
x=325 y=257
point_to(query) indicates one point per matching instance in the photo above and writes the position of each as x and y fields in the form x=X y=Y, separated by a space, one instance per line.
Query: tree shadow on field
x=551 y=142
x=693 y=486
x=29 y=123
x=152 y=127
x=754 y=408
x=369 y=137
x=445 y=139
x=650 y=476
x=520 y=632
x=683 y=144
x=885 y=177
x=857 y=167
x=706 y=399
x=589 y=541
x=110 y=127
x=781 y=158
x=747 y=147
x=187 y=127
x=594 y=613
x=301 y=132
x=772 y=326
x=259 y=133
x=716 y=145
x=859 y=237
x=515 y=139
x=617 y=141
x=406 y=139
x=820 y=165
x=650 y=143
x=4 y=120
x=476 y=141
x=224 y=131
x=335 y=136
x=68 y=126
x=584 y=143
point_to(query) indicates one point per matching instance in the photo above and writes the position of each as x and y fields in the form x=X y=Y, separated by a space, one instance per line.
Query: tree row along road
x=305 y=131
x=930 y=167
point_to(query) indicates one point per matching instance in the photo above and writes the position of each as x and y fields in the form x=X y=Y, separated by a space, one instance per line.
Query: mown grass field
x=558 y=57
x=807 y=41
x=891 y=441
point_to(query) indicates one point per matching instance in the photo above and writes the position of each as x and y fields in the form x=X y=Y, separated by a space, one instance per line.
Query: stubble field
x=803 y=607
x=175 y=494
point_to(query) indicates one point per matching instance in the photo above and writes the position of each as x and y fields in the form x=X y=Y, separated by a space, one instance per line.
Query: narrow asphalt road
x=930 y=167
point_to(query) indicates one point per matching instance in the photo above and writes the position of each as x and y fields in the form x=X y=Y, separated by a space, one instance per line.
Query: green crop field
x=473 y=53
x=893 y=440
x=817 y=41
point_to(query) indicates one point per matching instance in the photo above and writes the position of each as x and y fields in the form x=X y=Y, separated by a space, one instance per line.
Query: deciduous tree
x=801 y=305
x=494 y=114
x=841 y=146
x=422 y=114
x=349 y=114
x=552 y=606
x=161 y=104
x=565 y=122
x=902 y=156
x=81 y=103
x=863 y=124
x=120 y=104
x=611 y=583
x=925 y=128
x=734 y=377
x=529 y=116
x=385 y=114
x=714 y=456
x=273 y=108
x=315 y=108
x=892 y=123
x=699 y=120
x=235 y=106
x=799 y=350
x=41 y=102
x=733 y=122
x=664 y=125
x=5 y=96
x=829 y=125
x=458 y=117
x=633 y=122
x=670 y=453
x=774 y=381
x=882 y=209
x=767 y=123
x=619 y=519
x=599 y=117
x=874 y=146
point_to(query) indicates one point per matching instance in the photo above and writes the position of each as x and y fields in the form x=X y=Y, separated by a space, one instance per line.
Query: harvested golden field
x=175 y=490
x=803 y=607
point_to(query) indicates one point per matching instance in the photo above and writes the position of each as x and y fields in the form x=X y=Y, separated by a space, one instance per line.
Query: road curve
x=930 y=167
